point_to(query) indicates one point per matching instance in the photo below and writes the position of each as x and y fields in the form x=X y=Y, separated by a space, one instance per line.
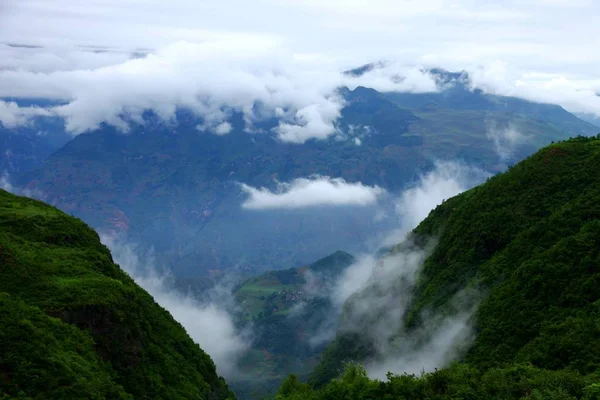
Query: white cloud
x=311 y=192
x=39 y=59
x=223 y=128
x=212 y=79
x=574 y=92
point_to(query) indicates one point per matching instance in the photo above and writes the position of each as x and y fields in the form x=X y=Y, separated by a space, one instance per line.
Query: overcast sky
x=287 y=54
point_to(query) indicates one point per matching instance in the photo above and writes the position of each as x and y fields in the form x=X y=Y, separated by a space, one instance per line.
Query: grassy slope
x=529 y=239
x=76 y=326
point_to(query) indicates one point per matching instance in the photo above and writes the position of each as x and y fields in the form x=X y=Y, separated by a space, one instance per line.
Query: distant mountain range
x=177 y=190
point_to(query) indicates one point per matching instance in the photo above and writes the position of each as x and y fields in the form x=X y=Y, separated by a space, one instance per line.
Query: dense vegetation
x=529 y=241
x=74 y=326
x=459 y=381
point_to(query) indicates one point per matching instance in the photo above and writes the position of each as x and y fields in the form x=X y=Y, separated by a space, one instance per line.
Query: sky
x=106 y=58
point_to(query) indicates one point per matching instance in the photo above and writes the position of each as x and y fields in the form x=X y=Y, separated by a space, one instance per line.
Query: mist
x=372 y=296
x=210 y=324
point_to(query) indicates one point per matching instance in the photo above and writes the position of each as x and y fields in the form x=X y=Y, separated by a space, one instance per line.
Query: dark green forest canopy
x=75 y=326
x=529 y=241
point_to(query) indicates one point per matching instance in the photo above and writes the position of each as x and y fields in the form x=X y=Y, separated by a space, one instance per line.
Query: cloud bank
x=311 y=192
x=258 y=78
x=112 y=59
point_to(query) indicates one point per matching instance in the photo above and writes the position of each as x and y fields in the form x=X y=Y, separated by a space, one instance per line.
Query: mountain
x=75 y=326
x=286 y=310
x=522 y=251
x=459 y=94
x=177 y=190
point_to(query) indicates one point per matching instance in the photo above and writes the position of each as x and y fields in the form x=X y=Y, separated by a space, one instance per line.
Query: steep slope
x=75 y=326
x=527 y=241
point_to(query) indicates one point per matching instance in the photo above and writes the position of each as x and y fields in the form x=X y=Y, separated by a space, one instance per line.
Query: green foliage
x=75 y=326
x=459 y=381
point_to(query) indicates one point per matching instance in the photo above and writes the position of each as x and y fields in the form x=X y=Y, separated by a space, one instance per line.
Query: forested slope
x=73 y=325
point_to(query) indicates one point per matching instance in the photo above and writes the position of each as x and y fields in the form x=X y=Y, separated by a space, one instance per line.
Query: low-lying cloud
x=311 y=192
x=376 y=306
x=209 y=324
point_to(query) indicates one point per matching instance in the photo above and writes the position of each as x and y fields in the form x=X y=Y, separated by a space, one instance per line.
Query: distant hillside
x=528 y=241
x=272 y=292
x=75 y=326
x=286 y=309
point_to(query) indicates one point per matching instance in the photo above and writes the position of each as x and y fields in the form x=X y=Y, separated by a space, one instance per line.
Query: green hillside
x=528 y=241
x=75 y=326
x=276 y=292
